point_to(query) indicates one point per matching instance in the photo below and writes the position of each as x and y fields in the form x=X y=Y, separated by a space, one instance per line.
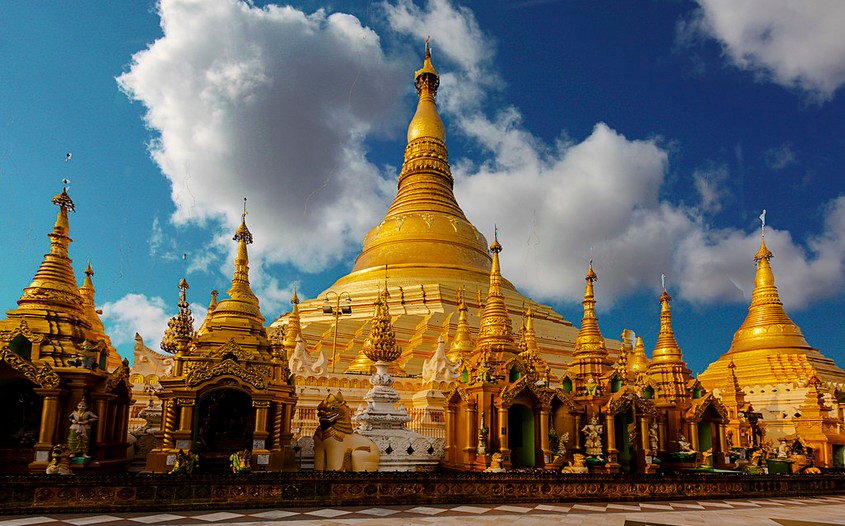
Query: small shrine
x=229 y=390
x=67 y=387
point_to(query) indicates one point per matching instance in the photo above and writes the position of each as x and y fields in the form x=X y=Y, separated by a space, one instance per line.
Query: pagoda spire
x=590 y=343
x=54 y=285
x=667 y=365
x=590 y=357
x=424 y=226
x=766 y=311
x=98 y=330
x=242 y=302
x=180 y=328
x=462 y=344
x=638 y=362
x=666 y=350
x=496 y=329
x=294 y=328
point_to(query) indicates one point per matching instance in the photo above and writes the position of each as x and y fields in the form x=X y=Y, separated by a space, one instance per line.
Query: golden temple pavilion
x=229 y=388
x=58 y=370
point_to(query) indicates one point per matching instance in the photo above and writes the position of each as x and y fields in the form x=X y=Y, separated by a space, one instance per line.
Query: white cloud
x=780 y=157
x=792 y=43
x=710 y=186
x=270 y=104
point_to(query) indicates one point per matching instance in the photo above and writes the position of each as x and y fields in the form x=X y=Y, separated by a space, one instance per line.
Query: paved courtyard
x=823 y=510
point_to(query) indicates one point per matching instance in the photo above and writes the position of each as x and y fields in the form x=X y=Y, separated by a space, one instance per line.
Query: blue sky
x=648 y=136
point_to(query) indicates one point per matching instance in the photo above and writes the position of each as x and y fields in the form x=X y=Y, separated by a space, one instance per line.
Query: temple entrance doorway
x=627 y=459
x=521 y=439
x=225 y=422
x=20 y=430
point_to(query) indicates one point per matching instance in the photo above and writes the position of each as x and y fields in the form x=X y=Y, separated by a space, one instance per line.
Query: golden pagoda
x=437 y=263
x=229 y=388
x=60 y=371
x=591 y=362
x=772 y=363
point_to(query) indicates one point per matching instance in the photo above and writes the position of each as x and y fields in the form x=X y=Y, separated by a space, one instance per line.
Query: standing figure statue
x=653 y=441
x=483 y=435
x=592 y=444
x=79 y=439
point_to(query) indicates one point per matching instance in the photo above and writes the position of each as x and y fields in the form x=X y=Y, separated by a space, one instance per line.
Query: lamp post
x=337 y=310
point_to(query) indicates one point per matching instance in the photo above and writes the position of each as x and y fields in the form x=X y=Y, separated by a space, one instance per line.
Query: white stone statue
x=336 y=446
x=302 y=363
x=439 y=368
x=684 y=445
x=653 y=441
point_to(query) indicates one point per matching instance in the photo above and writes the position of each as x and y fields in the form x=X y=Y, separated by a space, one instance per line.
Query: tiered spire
x=666 y=350
x=294 y=328
x=54 y=285
x=496 y=330
x=424 y=229
x=638 y=362
x=766 y=312
x=242 y=301
x=667 y=365
x=180 y=328
x=590 y=357
x=98 y=330
x=462 y=344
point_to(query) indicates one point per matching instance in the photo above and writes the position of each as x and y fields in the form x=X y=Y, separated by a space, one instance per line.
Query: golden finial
x=295 y=299
x=64 y=201
x=764 y=252
x=88 y=270
x=243 y=233
x=495 y=247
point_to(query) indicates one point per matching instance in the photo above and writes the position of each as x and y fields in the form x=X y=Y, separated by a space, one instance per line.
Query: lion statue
x=578 y=465
x=336 y=446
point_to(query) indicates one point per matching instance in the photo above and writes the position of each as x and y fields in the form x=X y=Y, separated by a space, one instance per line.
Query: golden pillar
x=278 y=414
x=643 y=432
x=661 y=433
x=693 y=431
x=503 y=435
x=49 y=417
x=577 y=444
x=611 y=436
x=469 y=430
x=544 y=433
x=449 y=448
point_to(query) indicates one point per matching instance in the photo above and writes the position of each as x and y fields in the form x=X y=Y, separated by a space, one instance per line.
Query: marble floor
x=816 y=511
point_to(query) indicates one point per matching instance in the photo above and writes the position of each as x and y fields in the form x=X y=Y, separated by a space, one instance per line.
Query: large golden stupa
x=429 y=254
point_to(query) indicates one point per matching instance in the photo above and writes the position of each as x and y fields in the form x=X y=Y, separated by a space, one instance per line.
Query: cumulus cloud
x=710 y=186
x=795 y=44
x=780 y=157
x=272 y=104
